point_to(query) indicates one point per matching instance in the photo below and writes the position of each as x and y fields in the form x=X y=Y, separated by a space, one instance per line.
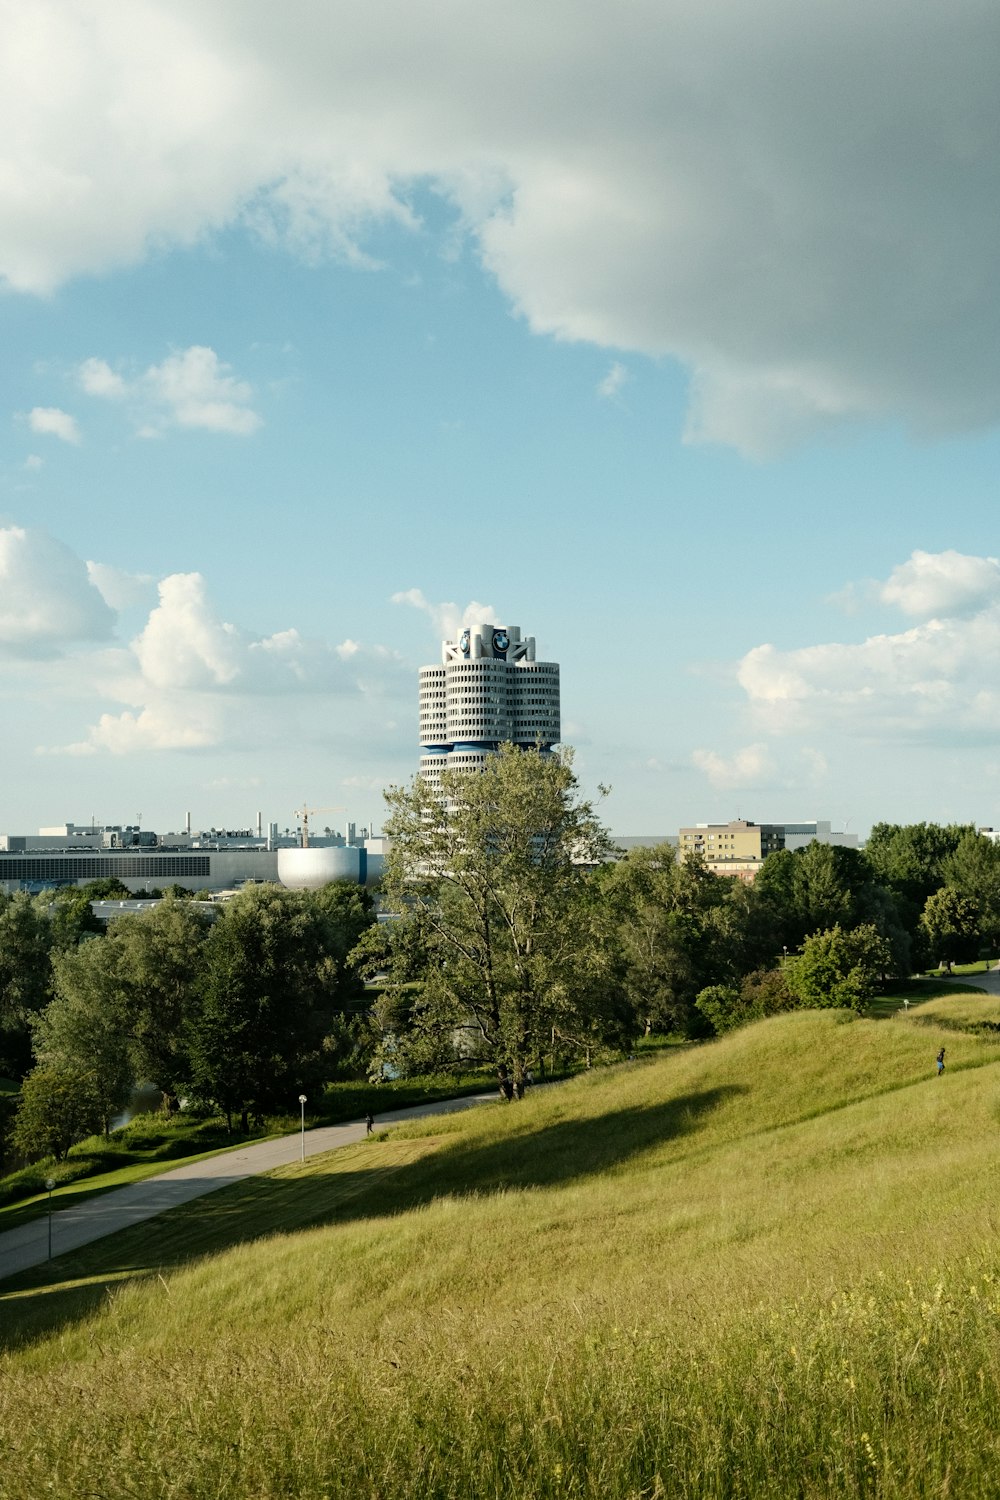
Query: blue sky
x=669 y=334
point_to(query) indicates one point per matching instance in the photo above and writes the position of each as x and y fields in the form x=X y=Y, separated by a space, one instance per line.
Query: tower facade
x=488 y=690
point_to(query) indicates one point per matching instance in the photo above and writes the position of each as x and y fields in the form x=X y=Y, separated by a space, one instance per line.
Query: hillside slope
x=766 y=1266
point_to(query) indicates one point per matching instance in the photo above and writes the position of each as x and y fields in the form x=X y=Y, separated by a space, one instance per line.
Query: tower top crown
x=489 y=642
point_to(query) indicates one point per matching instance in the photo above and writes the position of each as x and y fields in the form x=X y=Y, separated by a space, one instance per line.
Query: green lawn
x=904 y=994
x=762 y=1267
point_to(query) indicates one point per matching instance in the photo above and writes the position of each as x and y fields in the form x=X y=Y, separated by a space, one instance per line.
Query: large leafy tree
x=25 y=976
x=155 y=964
x=679 y=928
x=70 y=914
x=128 y=999
x=269 y=992
x=822 y=886
x=950 y=923
x=81 y=1032
x=973 y=870
x=497 y=917
x=910 y=857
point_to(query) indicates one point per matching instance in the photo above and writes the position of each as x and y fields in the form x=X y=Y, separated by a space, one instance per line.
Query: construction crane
x=303 y=813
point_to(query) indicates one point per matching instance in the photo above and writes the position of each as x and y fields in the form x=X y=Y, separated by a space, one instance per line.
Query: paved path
x=990 y=981
x=118 y=1209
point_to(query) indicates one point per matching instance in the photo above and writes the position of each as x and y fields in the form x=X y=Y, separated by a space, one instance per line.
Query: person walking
x=940 y=1062
x=369 y=1123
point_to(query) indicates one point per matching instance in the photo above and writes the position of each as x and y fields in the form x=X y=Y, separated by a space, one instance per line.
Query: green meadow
x=763 y=1266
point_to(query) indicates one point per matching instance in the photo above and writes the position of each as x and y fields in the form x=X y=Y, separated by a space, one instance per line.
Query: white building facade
x=489 y=690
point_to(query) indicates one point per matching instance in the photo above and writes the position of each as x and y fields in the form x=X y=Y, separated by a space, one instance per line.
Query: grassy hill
x=763 y=1267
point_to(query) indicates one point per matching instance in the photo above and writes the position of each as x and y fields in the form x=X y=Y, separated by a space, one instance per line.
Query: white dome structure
x=311 y=869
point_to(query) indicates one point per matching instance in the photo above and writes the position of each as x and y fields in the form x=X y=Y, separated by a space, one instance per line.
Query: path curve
x=106 y=1213
x=989 y=982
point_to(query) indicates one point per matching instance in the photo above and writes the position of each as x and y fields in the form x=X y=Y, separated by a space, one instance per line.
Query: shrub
x=59 y=1106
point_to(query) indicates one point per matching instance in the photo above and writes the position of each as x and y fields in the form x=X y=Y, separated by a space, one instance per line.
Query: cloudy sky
x=666 y=330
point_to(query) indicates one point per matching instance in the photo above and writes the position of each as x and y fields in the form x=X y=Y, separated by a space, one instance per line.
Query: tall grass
x=765 y=1267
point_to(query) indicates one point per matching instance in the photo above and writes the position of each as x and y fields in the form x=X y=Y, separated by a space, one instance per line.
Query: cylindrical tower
x=488 y=691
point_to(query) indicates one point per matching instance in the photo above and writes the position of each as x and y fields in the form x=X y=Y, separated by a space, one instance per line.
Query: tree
x=680 y=928
x=108 y=888
x=25 y=975
x=909 y=857
x=268 y=993
x=762 y=993
x=826 y=885
x=81 y=1030
x=838 y=968
x=950 y=922
x=70 y=914
x=973 y=870
x=59 y=1106
x=347 y=911
x=152 y=969
x=496 y=911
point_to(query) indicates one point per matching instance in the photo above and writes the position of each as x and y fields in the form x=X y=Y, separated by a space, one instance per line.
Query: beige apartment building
x=740 y=848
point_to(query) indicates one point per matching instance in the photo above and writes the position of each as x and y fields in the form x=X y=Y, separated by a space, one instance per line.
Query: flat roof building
x=740 y=847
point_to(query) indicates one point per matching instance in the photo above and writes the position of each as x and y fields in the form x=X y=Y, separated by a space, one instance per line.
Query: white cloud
x=197 y=390
x=119 y=590
x=51 y=422
x=449 y=620
x=795 y=201
x=98 y=379
x=751 y=766
x=165 y=725
x=816 y=763
x=189 y=680
x=192 y=388
x=192 y=681
x=942 y=583
x=33 y=463
x=934 y=681
x=47 y=601
x=184 y=645
x=613 y=381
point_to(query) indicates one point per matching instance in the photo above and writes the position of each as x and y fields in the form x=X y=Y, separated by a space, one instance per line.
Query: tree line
x=242 y=1013
x=518 y=937
x=518 y=941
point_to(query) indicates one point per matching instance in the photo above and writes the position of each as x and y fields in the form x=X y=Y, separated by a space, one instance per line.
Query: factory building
x=216 y=860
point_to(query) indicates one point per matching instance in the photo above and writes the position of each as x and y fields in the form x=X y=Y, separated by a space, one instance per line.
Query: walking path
x=108 y=1212
x=990 y=981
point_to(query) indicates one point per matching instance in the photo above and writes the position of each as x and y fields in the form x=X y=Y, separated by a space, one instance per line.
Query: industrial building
x=213 y=860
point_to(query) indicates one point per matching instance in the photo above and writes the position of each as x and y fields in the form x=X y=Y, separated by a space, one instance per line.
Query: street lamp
x=302 y=1102
x=50 y=1183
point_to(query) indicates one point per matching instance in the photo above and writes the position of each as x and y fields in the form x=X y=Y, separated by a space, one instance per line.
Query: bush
x=765 y=992
x=838 y=968
x=59 y=1106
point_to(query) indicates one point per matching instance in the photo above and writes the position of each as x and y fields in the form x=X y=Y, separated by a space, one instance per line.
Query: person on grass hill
x=940 y=1062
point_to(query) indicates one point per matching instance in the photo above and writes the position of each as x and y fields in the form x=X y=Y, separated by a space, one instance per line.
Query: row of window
x=125 y=866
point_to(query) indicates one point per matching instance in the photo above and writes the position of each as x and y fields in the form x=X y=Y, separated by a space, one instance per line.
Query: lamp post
x=302 y=1102
x=50 y=1183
